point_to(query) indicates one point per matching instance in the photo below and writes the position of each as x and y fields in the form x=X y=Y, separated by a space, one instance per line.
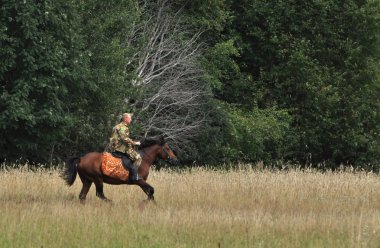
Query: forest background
x=282 y=81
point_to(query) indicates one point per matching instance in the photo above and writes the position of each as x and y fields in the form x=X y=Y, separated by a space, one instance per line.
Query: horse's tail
x=70 y=171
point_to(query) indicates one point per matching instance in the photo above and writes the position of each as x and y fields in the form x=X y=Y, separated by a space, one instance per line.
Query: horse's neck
x=150 y=153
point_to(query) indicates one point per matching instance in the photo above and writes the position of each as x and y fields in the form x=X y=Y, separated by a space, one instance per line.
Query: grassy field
x=195 y=208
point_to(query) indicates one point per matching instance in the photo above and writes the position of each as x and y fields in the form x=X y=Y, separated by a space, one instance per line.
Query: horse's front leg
x=149 y=190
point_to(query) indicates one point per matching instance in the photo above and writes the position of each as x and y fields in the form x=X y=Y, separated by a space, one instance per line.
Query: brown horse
x=89 y=169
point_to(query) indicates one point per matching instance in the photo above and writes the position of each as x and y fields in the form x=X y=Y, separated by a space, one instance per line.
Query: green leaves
x=39 y=45
x=258 y=135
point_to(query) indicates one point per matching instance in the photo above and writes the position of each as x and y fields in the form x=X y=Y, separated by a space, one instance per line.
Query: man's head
x=127 y=118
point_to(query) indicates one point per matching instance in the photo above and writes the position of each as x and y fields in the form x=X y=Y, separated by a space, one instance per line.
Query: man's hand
x=137 y=143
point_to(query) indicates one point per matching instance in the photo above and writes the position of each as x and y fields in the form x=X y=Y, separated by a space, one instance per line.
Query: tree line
x=282 y=81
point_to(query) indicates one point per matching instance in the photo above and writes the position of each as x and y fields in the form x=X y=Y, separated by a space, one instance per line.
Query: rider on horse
x=122 y=146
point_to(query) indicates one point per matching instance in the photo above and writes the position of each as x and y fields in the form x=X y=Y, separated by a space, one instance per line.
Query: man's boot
x=128 y=165
x=134 y=176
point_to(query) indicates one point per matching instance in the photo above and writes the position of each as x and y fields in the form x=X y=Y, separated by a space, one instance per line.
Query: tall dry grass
x=246 y=207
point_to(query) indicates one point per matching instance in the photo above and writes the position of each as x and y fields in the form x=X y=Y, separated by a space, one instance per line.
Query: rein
x=163 y=148
x=166 y=151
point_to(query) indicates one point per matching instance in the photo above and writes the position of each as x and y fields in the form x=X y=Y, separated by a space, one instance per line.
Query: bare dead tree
x=167 y=73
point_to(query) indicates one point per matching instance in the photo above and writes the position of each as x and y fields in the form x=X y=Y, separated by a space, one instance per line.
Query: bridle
x=169 y=159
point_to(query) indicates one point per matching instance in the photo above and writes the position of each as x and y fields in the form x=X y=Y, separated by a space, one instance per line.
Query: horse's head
x=167 y=154
x=162 y=149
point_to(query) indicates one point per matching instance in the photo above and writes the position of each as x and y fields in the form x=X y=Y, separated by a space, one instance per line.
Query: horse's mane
x=151 y=141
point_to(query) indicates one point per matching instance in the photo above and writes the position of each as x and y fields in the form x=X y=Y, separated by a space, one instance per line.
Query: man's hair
x=124 y=115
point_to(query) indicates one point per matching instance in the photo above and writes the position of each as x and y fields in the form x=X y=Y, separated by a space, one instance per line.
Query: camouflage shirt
x=120 y=140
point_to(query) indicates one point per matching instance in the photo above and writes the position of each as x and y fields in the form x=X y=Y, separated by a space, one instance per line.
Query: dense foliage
x=287 y=80
x=320 y=61
x=41 y=77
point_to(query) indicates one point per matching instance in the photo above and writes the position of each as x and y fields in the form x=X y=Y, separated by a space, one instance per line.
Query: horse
x=89 y=169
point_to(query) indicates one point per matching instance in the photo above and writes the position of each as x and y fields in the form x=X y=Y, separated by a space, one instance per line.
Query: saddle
x=127 y=162
x=113 y=167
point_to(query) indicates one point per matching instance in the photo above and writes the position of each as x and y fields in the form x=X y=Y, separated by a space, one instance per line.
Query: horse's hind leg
x=99 y=189
x=85 y=188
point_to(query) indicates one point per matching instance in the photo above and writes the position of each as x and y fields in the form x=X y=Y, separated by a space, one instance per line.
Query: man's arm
x=124 y=135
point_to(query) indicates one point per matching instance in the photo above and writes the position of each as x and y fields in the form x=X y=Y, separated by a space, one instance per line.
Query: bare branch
x=167 y=70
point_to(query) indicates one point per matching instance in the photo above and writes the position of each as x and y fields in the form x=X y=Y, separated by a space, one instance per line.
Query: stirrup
x=134 y=179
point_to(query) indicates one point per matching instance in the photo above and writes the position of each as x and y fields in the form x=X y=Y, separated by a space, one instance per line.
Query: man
x=122 y=146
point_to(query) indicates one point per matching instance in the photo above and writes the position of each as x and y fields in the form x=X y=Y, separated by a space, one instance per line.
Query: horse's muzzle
x=173 y=161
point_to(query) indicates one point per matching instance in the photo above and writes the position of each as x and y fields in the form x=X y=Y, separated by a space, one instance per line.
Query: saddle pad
x=113 y=167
